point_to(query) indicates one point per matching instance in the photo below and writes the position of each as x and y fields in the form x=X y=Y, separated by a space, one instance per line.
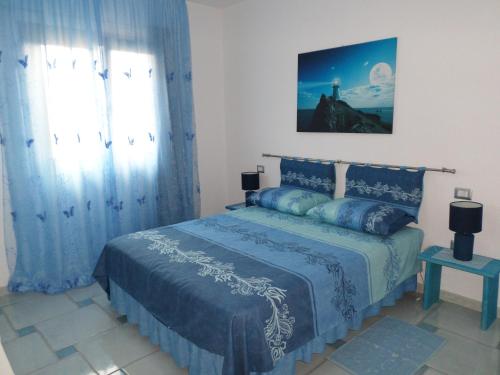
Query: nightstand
x=235 y=206
x=436 y=257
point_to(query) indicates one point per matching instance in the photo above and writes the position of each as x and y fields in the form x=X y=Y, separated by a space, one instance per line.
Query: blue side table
x=235 y=206
x=437 y=257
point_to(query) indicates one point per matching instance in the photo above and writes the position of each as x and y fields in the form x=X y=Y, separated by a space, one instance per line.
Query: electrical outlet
x=463 y=193
x=452 y=244
x=260 y=168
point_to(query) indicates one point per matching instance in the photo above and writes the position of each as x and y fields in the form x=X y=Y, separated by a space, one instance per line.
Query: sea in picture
x=384 y=113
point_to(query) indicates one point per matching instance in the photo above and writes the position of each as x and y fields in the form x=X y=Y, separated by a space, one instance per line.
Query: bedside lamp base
x=463 y=246
x=248 y=193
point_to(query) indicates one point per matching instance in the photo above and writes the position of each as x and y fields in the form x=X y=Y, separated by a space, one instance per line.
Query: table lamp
x=249 y=183
x=466 y=218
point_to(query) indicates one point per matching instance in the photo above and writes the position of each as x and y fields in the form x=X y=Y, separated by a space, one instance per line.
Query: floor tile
x=427 y=327
x=38 y=308
x=11 y=298
x=25 y=331
x=430 y=371
x=85 y=302
x=75 y=326
x=461 y=356
x=303 y=368
x=329 y=368
x=407 y=308
x=73 y=365
x=421 y=370
x=6 y=331
x=80 y=294
x=29 y=353
x=317 y=359
x=116 y=349
x=103 y=301
x=465 y=322
x=66 y=352
x=158 y=363
x=426 y=370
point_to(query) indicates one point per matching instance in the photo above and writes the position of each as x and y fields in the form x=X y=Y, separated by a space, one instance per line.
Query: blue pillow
x=307 y=175
x=398 y=187
x=288 y=199
x=362 y=215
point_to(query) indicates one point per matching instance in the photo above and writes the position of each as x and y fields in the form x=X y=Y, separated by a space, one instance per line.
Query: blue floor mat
x=390 y=346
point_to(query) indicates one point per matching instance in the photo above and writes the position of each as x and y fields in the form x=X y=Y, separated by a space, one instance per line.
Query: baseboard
x=457 y=299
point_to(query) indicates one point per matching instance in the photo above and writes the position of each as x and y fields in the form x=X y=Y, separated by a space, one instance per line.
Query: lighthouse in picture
x=336 y=94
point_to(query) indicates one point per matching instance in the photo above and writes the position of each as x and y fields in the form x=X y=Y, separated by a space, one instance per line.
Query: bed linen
x=255 y=285
x=401 y=188
x=288 y=199
x=308 y=175
x=202 y=362
x=362 y=215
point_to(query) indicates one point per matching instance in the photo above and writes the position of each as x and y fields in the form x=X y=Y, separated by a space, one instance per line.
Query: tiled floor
x=78 y=333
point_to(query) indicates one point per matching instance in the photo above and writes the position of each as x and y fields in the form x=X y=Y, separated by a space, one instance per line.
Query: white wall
x=208 y=85
x=447 y=105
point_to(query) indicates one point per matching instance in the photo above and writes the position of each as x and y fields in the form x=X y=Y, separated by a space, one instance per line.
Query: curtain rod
x=443 y=170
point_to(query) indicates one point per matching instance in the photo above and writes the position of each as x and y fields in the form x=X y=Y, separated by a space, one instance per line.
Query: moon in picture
x=380 y=73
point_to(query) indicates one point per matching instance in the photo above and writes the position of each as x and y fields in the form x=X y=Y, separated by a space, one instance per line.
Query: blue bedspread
x=255 y=284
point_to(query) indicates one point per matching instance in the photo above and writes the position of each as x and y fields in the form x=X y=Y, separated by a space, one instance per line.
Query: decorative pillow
x=307 y=175
x=362 y=215
x=399 y=188
x=288 y=199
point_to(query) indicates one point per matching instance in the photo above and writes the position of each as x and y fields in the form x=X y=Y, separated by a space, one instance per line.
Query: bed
x=254 y=290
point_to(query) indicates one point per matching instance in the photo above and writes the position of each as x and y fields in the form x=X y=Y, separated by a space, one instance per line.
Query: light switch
x=260 y=168
x=463 y=193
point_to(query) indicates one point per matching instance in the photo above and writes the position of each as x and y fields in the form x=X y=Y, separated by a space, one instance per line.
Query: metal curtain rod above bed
x=443 y=170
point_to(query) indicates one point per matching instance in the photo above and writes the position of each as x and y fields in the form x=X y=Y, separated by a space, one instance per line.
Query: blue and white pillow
x=307 y=175
x=288 y=199
x=401 y=188
x=362 y=215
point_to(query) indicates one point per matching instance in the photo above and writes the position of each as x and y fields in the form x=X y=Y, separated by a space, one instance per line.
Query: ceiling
x=217 y=3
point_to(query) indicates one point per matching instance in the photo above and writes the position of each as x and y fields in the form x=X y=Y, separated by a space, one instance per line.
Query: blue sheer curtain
x=97 y=133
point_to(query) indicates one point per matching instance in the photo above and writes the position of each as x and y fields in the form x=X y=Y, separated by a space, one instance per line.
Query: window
x=96 y=110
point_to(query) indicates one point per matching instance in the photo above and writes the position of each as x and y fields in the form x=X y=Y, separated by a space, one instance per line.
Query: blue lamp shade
x=250 y=181
x=466 y=218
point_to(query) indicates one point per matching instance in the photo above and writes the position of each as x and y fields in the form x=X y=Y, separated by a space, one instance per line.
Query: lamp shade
x=466 y=217
x=250 y=181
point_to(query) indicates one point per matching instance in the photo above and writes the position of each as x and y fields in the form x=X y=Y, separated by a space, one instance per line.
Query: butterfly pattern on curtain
x=96 y=128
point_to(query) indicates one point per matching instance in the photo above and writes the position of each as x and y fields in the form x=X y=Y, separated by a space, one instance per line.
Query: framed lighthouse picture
x=347 y=89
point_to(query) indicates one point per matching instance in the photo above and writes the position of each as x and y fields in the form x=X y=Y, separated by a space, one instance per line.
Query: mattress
x=253 y=285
